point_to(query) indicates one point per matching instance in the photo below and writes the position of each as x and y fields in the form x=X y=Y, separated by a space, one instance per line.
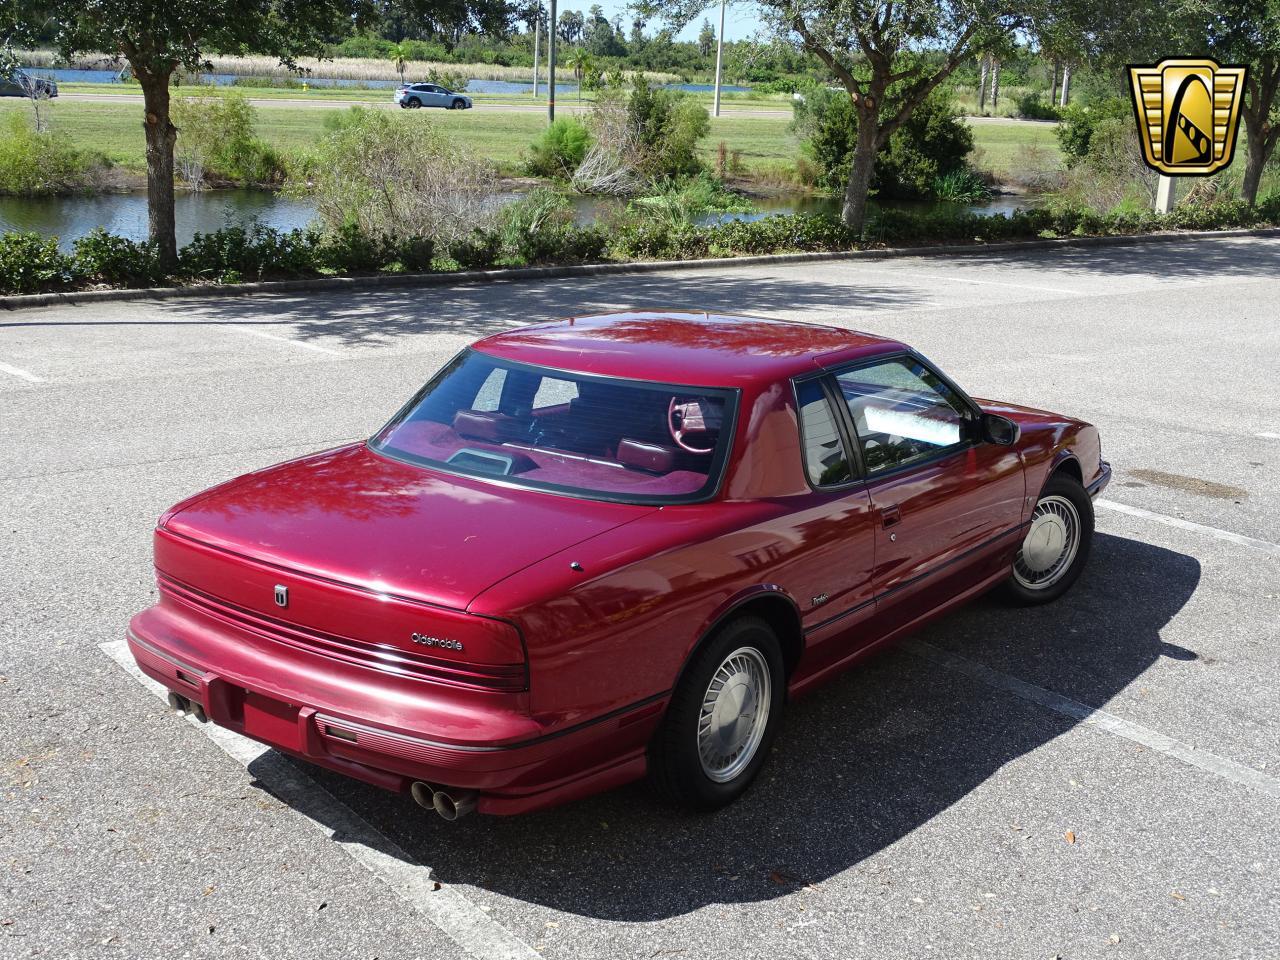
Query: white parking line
x=297 y=343
x=20 y=374
x=1152 y=739
x=1268 y=436
x=1265 y=546
x=457 y=917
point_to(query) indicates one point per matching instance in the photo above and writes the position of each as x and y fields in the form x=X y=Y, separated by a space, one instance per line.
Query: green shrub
x=235 y=254
x=477 y=250
x=1032 y=107
x=101 y=257
x=30 y=263
x=396 y=174
x=216 y=142
x=1076 y=130
x=559 y=149
x=667 y=125
x=42 y=162
x=933 y=142
x=414 y=254
x=351 y=250
x=961 y=186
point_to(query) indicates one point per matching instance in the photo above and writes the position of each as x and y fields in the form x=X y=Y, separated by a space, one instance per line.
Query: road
x=383 y=99
x=1098 y=778
x=568 y=105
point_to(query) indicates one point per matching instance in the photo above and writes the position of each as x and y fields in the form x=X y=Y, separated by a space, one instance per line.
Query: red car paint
x=574 y=616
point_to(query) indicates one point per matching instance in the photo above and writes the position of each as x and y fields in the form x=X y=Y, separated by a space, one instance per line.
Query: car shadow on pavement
x=380 y=317
x=857 y=766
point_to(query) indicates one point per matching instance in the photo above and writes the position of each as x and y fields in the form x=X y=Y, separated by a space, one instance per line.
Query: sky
x=740 y=19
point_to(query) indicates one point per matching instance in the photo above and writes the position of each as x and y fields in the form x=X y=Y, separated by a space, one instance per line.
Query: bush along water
x=540 y=230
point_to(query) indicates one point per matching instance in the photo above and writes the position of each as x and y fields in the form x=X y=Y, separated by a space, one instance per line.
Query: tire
x=458 y=105
x=413 y=103
x=1038 y=574
x=745 y=648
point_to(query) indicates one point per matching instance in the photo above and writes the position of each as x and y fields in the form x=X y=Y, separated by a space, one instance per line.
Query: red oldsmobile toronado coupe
x=603 y=547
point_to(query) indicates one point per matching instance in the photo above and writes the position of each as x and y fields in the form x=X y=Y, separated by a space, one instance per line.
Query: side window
x=554 y=393
x=490 y=393
x=902 y=412
x=825 y=457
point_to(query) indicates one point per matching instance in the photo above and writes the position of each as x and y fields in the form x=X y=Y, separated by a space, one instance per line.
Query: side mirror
x=1000 y=430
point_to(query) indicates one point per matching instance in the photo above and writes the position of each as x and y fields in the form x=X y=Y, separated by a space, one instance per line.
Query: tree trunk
x=1255 y=159
x=854 y=212
x=1066 y=84
x=995 y=85
x=982 y=83
x=161 y=135
x=1053 y=90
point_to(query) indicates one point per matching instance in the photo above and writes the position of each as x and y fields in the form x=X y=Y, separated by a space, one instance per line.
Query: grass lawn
x=999 y=147
x=115 y=129
x=764 y=143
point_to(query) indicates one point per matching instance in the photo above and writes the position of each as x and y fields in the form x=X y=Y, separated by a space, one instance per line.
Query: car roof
x=697 y=349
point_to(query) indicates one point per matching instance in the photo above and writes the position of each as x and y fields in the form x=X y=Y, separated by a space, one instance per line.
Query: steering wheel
x=676 y=426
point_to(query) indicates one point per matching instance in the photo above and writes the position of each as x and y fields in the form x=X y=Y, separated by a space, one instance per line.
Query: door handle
x=890 y=515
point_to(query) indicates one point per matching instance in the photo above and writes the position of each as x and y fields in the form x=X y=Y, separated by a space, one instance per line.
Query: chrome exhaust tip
x=453 y=806
x=422 y=794
x=450 y=806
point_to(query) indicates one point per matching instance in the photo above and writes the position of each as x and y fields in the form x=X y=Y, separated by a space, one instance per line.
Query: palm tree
x=400 y=57
x=582 y=64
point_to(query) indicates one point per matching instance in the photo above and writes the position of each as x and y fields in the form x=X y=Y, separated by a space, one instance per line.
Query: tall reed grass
x=339 y=68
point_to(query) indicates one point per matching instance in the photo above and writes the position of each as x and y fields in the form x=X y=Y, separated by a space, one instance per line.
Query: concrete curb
x=381 y=281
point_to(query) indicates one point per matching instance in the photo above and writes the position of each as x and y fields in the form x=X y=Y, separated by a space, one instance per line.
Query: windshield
x=601 y=438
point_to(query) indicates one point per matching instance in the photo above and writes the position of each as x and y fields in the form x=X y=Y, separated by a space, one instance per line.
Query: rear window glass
x=554 y=430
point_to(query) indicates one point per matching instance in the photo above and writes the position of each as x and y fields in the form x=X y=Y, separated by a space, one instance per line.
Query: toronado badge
x=1188 y=112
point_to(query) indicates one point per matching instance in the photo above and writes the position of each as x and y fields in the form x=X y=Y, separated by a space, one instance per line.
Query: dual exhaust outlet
x=450 y=805
x=184 y=706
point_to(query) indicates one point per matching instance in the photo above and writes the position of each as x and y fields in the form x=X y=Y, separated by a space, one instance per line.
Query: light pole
x=537 y=29
x=551 y=65
x=719 y=56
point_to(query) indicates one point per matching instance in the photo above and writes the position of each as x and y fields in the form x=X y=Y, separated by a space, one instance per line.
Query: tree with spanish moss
x=888 y=55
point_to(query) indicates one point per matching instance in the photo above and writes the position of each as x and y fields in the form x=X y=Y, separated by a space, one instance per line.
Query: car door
x=948 y=506
x=834 y=529
x=434 y=96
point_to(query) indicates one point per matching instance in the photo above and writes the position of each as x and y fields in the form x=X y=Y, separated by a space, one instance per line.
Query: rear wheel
x=722 y=718
x=413 y=103
x=1056 y=546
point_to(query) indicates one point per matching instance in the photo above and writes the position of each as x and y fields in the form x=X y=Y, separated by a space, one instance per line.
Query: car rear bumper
x=383 y=730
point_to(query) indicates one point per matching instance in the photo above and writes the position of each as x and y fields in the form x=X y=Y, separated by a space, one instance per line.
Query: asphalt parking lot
x=1096 y=778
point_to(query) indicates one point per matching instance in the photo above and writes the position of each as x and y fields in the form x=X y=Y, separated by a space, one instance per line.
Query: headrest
x=652 y=457
x=482 y=425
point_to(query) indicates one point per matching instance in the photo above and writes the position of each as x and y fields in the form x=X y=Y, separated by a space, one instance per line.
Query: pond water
x=473 y=86
x=125 y=214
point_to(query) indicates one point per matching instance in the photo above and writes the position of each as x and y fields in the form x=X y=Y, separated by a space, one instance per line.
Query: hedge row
x=30 y=263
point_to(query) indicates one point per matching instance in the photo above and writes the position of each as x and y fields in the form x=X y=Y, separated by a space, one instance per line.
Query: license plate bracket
x=271 y=720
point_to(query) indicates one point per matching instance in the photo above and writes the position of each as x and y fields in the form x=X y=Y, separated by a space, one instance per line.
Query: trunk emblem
x=282 y=596
x=427 y=641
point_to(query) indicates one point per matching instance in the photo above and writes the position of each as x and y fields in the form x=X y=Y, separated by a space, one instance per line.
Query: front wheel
x=458 y=105
x=1056 y=546
x=722 y=718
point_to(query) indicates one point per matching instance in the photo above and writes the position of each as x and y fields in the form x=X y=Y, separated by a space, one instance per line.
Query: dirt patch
x=1175 y=481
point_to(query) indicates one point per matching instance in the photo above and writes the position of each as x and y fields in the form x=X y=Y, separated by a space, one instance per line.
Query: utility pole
x=551 y=65
x=538 y=30
x=719 y=57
